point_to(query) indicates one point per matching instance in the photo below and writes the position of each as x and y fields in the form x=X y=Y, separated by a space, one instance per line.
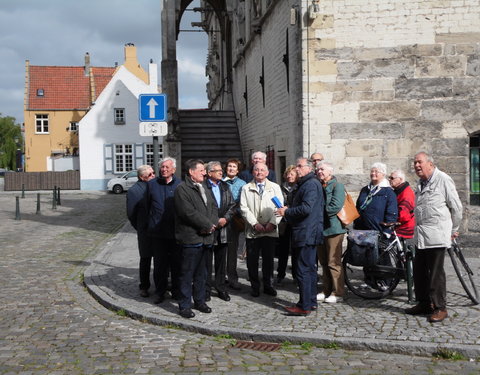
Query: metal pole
x=23 y=190
x=155 y=155
x=54 y=200
x=58 y=196
x=38 y=203
x=17 y=208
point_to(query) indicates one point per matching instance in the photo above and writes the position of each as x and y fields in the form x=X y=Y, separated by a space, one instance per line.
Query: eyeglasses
x=317 y=159
x=151 y=174
x=216 y=170
x=392 y=178
x=301 y=165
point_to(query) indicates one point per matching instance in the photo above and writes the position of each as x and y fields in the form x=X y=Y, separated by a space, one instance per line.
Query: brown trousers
x=330 y=258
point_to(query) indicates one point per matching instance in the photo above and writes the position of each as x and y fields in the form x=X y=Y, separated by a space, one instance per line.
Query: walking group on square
x=194 y=229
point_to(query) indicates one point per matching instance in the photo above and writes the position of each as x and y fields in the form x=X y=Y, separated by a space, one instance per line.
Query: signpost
x=152 y=113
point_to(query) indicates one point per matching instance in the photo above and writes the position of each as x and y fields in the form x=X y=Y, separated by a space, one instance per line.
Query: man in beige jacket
x=261 y=229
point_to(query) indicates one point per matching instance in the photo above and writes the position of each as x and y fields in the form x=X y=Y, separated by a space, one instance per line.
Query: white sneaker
x=333 y=299
x=320 y=297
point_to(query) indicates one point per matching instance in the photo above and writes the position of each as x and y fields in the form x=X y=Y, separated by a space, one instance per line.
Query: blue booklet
x=276 y=202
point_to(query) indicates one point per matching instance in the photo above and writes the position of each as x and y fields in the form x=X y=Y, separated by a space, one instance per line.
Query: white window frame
x=122 y=158
x=119 y=116
x=41 y=122
x=148 y=152
x=73 y=127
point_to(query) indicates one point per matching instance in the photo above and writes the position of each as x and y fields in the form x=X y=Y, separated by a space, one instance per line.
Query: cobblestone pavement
x=50 y=324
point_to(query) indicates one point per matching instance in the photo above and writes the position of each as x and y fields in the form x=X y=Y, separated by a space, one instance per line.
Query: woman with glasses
x=376 y=203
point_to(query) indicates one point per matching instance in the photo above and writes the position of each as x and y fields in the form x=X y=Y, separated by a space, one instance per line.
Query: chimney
x=87 y=64
x=130 y=54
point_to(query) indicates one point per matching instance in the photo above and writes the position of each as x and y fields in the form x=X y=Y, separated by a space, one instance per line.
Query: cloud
x=60 y=32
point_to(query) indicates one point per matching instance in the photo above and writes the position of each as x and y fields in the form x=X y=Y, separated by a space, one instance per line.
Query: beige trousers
x=330 y=258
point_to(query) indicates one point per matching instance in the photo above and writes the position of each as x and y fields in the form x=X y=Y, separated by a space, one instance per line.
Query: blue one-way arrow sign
x=152 y=107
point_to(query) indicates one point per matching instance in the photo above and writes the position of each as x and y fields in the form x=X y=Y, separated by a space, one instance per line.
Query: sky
x=60 y=32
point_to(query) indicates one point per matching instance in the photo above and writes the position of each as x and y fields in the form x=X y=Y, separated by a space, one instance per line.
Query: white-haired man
x=257 y=157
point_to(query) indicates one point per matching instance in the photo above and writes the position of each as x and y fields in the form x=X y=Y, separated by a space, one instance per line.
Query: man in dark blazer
x=196 y=218
x=137 y=213
x=306 y=219
x=225 y=203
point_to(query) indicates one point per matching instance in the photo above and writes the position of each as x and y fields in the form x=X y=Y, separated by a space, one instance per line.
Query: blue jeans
x=193 y=275
x=307 y=276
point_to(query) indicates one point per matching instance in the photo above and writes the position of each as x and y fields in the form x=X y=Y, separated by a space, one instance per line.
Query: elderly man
x=438 y=213
x=316 y=158
x=261 y=229
x=306 y=219
x=161 y=211
x=137 y=213
x=225 y=205
x=196 y=218
x=257 y=157
x=405 y=202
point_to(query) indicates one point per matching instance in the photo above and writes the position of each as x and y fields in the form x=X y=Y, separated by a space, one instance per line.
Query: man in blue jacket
x=137 y=213
x=306 y=219
x=166 y=256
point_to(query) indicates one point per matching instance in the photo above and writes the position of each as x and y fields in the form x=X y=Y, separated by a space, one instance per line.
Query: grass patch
x=329 y=345
x=286 y=345
x=451 y=355
x=121 y=312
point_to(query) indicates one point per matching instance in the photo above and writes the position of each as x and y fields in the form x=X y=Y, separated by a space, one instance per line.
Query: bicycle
x=377 y=278
x=463 y=271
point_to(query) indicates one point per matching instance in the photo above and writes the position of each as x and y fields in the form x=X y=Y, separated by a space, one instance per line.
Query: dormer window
x=40 y=92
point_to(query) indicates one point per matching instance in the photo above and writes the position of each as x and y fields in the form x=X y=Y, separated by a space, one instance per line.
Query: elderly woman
x=290 y=181
x=330 y=252
x=377 y=202
x=235 y=184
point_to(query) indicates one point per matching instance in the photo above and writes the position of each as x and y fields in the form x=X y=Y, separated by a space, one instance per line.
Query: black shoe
x=270 y=291
x=234 y=285
x=224 y=296
x=159 y=299
x=144 y=293
x=187 y=313
x=255 y=293
x=419 y=309
x=207 y=297
x=203 y=308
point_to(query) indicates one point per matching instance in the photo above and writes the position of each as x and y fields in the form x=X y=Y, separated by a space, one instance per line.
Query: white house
x=109 y=139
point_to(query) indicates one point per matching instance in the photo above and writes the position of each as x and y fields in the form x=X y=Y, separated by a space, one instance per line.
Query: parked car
x=120 y=184
x=2 y=171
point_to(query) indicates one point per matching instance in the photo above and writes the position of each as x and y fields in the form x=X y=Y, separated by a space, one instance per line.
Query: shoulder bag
x=349 y=212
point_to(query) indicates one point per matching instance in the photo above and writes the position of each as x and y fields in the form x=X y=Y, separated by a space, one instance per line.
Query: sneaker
x=320 y=297
x=332 y=298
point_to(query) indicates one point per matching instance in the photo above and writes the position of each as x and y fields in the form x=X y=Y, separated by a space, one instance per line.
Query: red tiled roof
x=64 y=87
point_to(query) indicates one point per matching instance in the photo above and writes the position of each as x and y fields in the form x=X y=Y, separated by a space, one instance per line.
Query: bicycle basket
x=362 y=247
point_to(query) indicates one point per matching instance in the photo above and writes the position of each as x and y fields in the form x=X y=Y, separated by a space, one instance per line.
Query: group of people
x=191 y=228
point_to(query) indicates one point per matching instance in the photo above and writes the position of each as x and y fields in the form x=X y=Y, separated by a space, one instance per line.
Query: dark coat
x=137 y=211
x=226 y=209
x=194 y=218
x=306 y=213
x=161 y=208
x=382 y=208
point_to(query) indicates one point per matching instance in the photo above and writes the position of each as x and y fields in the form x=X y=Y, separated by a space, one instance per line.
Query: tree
x=10 y=141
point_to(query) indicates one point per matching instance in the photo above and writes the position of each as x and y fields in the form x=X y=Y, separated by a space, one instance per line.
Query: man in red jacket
x=406 y=203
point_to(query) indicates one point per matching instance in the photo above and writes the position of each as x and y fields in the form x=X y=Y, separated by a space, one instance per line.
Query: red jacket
x=406 y=205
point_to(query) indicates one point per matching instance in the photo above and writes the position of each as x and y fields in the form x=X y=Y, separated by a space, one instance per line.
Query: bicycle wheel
x=464 y=273
x=376 y=281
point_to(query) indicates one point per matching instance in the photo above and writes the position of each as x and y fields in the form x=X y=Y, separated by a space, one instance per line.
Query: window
x=41 y=124
x=119 y=116
x=123 y=158
x=149 y=153
x=73 y=126
x=40 y=92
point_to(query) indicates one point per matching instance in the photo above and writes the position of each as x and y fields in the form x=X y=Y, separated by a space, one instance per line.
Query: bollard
x=23 y=190
x=58 y=196
x=54 y=200
x=38 y=203
x=17 y=209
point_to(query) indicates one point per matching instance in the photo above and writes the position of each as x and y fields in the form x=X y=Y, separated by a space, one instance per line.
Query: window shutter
x=108 y=156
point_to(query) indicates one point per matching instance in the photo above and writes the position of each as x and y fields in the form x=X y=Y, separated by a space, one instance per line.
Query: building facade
x=357 y=80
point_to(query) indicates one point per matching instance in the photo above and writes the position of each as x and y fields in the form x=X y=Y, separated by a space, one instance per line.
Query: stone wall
x=275 y=121
x=389 y=78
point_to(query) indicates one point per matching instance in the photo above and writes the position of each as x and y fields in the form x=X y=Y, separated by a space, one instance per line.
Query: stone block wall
x=385 y=79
